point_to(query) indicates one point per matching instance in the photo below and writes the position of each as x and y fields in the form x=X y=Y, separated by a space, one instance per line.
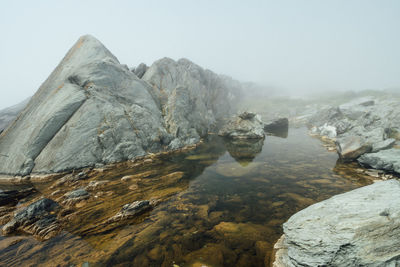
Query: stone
x=131 y=210
x=92 y=111
x=357 y=228
x=8 y=115
x=382 y=145
x=351 y=147
x=37 y=219
x=387 y=160
x=140 y=70
x=276 y=125
x=238 y=128
x=75 y=196
x=94 y=185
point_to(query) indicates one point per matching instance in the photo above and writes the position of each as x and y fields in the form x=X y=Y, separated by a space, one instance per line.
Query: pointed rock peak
x=88 y=49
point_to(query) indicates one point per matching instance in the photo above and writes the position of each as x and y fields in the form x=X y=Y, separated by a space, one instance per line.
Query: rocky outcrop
x=140 y=70
x=277 y=125
x=11 y=197
x=364 y=125
x=246 y=125
x=358 y=228
x=93 y=111
x=37 y=219
x=388 y=160
x=9 y=114
x=192 y=100
x=131 y=210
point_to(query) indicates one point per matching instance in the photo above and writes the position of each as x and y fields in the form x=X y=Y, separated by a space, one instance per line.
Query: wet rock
x=75 y=196
x=277 y=125
x=358 y=228
x=11 y=197
x=37 y=219
x=249 y=128
x=94 y=185
x=131 y=210
x=388 y=160
x=351 y=147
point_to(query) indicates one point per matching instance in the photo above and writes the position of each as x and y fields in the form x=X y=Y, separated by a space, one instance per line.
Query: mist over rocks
x=9 y=114
x=363 y=126
x=93 y=111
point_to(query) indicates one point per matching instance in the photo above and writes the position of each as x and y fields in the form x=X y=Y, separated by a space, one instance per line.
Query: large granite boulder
x=192 y=99
x=93 y=111
x=9 y=114
x=246 y=125
x=388 y=160
x=351 y=147
x=358 y=228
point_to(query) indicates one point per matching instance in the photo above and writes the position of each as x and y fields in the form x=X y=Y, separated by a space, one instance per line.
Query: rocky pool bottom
x=222 y=204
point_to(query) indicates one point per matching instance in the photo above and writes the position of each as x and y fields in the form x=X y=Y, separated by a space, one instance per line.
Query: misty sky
x=298 y=45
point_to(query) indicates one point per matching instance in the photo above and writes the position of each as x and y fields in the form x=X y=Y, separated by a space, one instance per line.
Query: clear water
x=223 y=205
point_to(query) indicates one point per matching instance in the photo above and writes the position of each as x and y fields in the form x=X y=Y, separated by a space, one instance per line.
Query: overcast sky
x=300 y=45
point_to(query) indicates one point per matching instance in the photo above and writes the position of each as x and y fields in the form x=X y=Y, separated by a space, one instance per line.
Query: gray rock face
x=388 y=160
x=92 y=110
x=9 y=114
x=192 y=99
x=358 y=228
x=140 y=70
x=245 y=126
x=351 y=147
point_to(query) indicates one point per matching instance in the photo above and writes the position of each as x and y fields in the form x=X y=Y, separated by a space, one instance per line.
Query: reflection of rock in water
x=244 y=151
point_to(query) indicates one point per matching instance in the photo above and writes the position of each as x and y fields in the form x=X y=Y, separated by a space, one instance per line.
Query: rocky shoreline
x=358 y=228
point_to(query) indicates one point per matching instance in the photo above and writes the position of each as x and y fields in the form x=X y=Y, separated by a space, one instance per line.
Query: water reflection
x=225 y=210
x=244 y=150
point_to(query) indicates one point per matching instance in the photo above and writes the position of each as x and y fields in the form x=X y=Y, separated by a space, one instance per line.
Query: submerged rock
x=131 y=210
x=37 y=219
x=358 y=228
x=388 y=160
x=75 y=196
x=245 y=126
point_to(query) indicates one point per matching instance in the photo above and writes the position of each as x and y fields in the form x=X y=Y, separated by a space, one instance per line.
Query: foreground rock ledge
x=358 y=228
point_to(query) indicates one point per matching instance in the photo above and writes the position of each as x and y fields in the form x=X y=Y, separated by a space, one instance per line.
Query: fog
x=296 y=47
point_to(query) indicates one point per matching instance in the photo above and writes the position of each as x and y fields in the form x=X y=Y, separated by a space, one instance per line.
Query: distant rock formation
x=92 y=111
x=9 y=114
x=358 y=228
x=363 y=126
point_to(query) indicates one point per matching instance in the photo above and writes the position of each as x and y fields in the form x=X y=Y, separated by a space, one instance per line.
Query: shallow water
x=222 y=204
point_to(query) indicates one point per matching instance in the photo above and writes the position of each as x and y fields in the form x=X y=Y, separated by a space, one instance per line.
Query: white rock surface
x=358 y=228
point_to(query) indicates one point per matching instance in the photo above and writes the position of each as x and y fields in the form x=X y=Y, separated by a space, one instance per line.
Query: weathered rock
x=192 y=99
x=94 y=185
x=8 y=115
x=388 y=160
x=382 y=145
x=131 y=210
x=141 y=70
x=75 y=196
x=244 y=126
x=37 y=219
x=276 y=125
x=358 y=228
x=92 y=111
x=351 y=147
